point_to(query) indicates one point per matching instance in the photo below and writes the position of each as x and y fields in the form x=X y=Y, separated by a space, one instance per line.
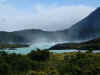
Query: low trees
x=39 y=55
x=38 y=63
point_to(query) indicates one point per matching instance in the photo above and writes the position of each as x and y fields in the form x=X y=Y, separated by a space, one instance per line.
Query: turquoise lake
x=43 y=46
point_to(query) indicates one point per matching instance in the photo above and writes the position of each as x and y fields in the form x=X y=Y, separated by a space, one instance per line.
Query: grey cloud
x=41 y=17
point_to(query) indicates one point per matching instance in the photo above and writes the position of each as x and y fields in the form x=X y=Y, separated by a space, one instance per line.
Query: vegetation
x=95 y=44
x=12 y=46
x=43 y=62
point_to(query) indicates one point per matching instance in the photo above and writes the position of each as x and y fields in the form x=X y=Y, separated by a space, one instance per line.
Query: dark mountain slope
x=31 y=36
x=38 y=36
x=9 y=37
x=94 y=44
x=88 y=28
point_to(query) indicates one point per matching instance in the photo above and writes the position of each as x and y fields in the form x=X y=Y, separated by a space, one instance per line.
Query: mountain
x=91 y=44
x=9 y=37
x=87 y=28
x=30 y=36
x=40 y=36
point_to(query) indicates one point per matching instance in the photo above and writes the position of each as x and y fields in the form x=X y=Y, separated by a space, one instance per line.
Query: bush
x=39 y=55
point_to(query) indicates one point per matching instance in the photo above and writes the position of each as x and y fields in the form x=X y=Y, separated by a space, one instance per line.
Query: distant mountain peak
x=87 y=28
x=97 y=9
x=96 y=12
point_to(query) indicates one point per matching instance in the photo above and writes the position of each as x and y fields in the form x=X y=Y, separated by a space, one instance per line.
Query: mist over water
x=42 y=45
x=42 y=42
x=45 y=45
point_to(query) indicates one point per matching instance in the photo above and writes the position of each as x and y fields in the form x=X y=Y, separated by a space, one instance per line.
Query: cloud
x=41 y=17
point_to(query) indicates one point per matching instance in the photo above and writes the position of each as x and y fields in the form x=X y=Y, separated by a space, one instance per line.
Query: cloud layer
x=41 y=17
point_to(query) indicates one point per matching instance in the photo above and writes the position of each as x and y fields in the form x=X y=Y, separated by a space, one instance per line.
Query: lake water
x=43 y=46
x=28 y=50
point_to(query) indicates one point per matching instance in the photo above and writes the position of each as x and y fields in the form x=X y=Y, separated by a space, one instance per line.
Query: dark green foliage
x=5 y=69
x=46 y=63
x=16 y=64
x=39 y=55
x=90 y=50
x=11 y=64
x=94 y=44
x=82 y=64
x=12 y=46
x=3 y=53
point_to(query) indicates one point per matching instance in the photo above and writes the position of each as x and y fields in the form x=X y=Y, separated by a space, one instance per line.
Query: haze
x=45 y=15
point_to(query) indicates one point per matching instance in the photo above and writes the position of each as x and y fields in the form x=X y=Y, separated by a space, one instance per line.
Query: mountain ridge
x=86 y=29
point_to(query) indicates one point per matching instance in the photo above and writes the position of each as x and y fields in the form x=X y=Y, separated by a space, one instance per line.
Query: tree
x=5 y=69
x=90 y=50
x=39 y=55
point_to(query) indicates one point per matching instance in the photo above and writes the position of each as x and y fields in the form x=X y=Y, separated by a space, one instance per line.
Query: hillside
x=94 y=44
x=87 y=28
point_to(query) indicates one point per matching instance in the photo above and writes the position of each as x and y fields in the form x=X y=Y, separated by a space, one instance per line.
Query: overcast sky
x=43 y=14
